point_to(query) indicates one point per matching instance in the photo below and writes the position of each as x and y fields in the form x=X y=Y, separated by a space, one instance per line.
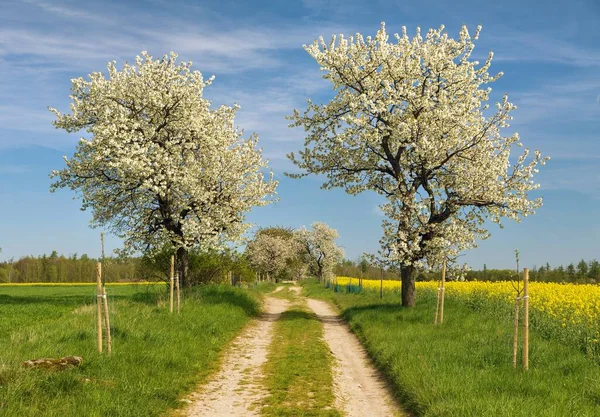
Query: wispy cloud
x=573 y=99
x=266 y=103
x=242 y=50
x=578 y=175
x=67 y=11
x=20 y=117
x=514 y=45
x=51 y=48
x=335 y=9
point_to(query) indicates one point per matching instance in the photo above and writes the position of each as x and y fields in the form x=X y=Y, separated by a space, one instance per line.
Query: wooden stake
x=172 y=279
x=437 y=302
x=106 y=321
x=526 y=318
x=442 y=295
x=99 y=299
x=381 y=284
x=516 y=331
x=178 y=294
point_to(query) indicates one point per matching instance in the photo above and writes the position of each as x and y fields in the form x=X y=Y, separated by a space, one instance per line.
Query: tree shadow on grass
x=420 y=314
x=62 y=300
x=225 y=295
x=291 y=315
x=209 y=294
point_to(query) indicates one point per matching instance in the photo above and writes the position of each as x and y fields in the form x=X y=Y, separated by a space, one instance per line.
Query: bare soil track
x=237 y=386
x=237 y=389
x=358 y=387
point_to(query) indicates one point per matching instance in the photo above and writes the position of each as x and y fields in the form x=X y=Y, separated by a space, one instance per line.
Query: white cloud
x=67 y=11
x=513 y=45
x=19 y=117
x=217 y=48
x=570 y=100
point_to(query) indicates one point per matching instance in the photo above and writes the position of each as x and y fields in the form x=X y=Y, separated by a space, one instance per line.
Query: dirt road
x=359 y=390
x=236 y=390
x=237 y=385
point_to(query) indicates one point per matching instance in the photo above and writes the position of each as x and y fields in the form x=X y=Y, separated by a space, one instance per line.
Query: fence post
x=526 y=318
x=381 y=283
x=516 y=334
x=172 y=279
x=106 y=321
x=178 y=293
x=99 y=299
x=443 y=292
x=516 y=329
x=437 y=302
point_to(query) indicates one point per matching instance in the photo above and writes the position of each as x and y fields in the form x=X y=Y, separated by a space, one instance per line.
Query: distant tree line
x=275 y=253
x=581 y=273
x=60 y=268
x=208 y=266
x=213 y=266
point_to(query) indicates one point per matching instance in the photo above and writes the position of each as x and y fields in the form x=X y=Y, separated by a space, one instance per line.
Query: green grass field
x=464 y=368
x=298 y=373
x=156 y=356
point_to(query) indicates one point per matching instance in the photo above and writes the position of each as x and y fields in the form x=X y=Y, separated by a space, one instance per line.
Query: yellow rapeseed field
x=74 y=284
x=561 y=310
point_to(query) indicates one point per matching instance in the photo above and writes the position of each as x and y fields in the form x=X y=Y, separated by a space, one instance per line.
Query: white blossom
x=270 y=253
x=409 y=121
x=159 y=164
x=319 y=249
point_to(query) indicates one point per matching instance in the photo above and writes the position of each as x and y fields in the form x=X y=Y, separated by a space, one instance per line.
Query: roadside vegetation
x=156 y=356
x=464 y=368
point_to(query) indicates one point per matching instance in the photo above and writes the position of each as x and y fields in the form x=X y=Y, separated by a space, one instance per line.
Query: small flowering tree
x=160 y=166
x=271 y=251
x=409 y=121
x=319 y=249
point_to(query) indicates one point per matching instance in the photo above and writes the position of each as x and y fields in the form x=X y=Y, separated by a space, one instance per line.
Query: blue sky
x=550 y=57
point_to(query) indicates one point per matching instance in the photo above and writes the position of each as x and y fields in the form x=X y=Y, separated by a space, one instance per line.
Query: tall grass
x=463 y=368
x=156 y=356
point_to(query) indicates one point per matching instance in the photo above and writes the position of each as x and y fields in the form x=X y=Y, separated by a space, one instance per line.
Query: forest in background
x=205 y=267
x=584 y=272
x=213 y=266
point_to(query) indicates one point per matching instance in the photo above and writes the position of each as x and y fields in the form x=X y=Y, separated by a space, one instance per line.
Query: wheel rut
x=236 y=387
x=359 y=389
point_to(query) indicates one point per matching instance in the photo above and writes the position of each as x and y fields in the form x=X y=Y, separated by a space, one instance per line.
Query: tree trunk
x=408 y=285
x=183 y=267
